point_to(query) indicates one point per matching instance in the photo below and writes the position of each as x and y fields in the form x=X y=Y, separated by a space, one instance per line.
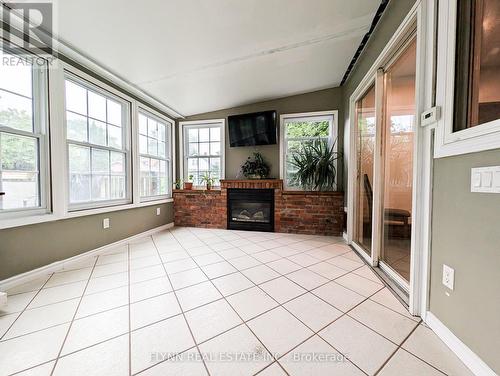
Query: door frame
x=421 y=17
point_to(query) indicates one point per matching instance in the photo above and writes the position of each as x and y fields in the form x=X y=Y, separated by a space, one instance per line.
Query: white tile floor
x=196 y=302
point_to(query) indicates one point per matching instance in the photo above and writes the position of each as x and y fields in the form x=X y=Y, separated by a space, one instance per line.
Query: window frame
x=481 y=137
x=126 y=143
x=169 y=155
x=183 y=150
x=333 y=132
x=41 y=132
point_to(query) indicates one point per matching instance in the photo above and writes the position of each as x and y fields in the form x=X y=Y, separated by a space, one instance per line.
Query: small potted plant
x=178 y=184
x=188 y=185
x=256 y=167
x=208 y=180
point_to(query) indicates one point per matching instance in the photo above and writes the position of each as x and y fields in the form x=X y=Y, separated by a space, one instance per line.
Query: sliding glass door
x=365 y=149
x=384 y=133
x=398 y=146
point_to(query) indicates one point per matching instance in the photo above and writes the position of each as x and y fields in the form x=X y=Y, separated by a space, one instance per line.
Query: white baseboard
x=464 y=353
x=62 y=264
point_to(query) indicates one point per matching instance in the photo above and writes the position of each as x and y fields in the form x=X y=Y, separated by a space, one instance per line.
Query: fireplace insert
x=250 y=209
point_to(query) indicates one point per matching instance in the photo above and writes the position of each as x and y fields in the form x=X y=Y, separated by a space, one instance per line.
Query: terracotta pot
x=209 y=187
x=188 y=186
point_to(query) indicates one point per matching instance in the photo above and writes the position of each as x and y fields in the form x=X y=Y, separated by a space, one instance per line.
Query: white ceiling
x=203 y=55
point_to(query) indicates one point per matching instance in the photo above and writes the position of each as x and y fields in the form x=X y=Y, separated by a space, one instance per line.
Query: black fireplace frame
x=250 y=196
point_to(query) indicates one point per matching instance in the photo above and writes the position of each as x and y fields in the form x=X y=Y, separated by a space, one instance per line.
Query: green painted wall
x=322 y=100
x=466 y=236
x=28 y=247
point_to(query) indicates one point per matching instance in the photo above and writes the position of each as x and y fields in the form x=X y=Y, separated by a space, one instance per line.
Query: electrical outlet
x=158 y=211
x=105 y=223
x=448 y=276
x=3 y=299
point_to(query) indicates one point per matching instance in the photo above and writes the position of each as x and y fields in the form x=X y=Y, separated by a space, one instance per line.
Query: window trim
x=200 y=124
x=41 y=132
x=481 y=137
x=333 y=133
x=140 y=108
x=127 y=114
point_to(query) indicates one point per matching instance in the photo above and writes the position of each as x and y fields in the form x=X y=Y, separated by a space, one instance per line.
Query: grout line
x=129 y=312
x=239 y=316
x=25 y=307
x=224 y=297
x=178 y=302
x=73 y=319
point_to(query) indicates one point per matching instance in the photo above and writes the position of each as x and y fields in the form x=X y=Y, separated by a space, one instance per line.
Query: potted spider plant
x=208 y=180
x=188 y=185
x=316 y=166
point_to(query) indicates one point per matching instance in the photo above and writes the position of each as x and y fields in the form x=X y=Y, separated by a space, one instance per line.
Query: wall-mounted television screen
x=258 y=128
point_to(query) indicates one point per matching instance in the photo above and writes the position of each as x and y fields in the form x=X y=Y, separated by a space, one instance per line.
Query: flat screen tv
x=258 y=128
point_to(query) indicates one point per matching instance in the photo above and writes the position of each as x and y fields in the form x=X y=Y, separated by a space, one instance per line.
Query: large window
x=477 y=98
x=97 y=124
x=298 y=131
x=23 y=138
x=155 y=156
x=203 y=145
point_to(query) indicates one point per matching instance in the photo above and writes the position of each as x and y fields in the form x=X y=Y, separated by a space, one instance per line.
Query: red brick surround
x=299 y=212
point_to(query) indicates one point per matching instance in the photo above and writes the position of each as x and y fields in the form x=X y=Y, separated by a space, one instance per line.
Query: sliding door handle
x=2 y=193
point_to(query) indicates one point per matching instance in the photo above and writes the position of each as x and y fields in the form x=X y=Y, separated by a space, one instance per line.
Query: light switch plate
x=448 y=276
x=485 y=179
x=105 y=223
x=158 y=211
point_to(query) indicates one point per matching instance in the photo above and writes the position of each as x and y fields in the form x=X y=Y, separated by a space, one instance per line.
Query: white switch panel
x=105 y=223
x=158 y=211
x=485 y=179
x=448 y=276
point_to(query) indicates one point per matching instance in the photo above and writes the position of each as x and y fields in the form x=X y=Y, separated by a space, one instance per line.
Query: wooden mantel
x=252 y=183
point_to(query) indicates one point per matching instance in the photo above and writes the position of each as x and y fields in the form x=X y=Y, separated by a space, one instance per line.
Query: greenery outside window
x=299 y=132
x=23 y=134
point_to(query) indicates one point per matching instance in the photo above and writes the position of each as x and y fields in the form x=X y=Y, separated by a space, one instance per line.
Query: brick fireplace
x=301 y=212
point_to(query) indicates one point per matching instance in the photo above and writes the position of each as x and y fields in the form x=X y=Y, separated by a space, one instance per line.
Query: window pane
x=204 y=148
x=203 y=163
x=162 y=149
x=76 y=127
x=97 y=106
x=114 y=112
x=215 y=134
x=79 y=159
x=193 y=149
x=19 y=162
x=114 y=137
x=193 y=135
x=161 y=132
x=152 y=129
x=215 y=148
x=79 y=188
x=215 y=164
x=118 y=189
x=16 y=75
x=76 y=98
x=15 y=111
x=144 y=164
x=163 y=168
x=143 y=125
x=97 y=131
x=143 y=144
x=117 y=163
x=100 y=187
x=204 y=134
x=152 y=146
x=307 y=129
x=100 y=161
x=192 y=165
